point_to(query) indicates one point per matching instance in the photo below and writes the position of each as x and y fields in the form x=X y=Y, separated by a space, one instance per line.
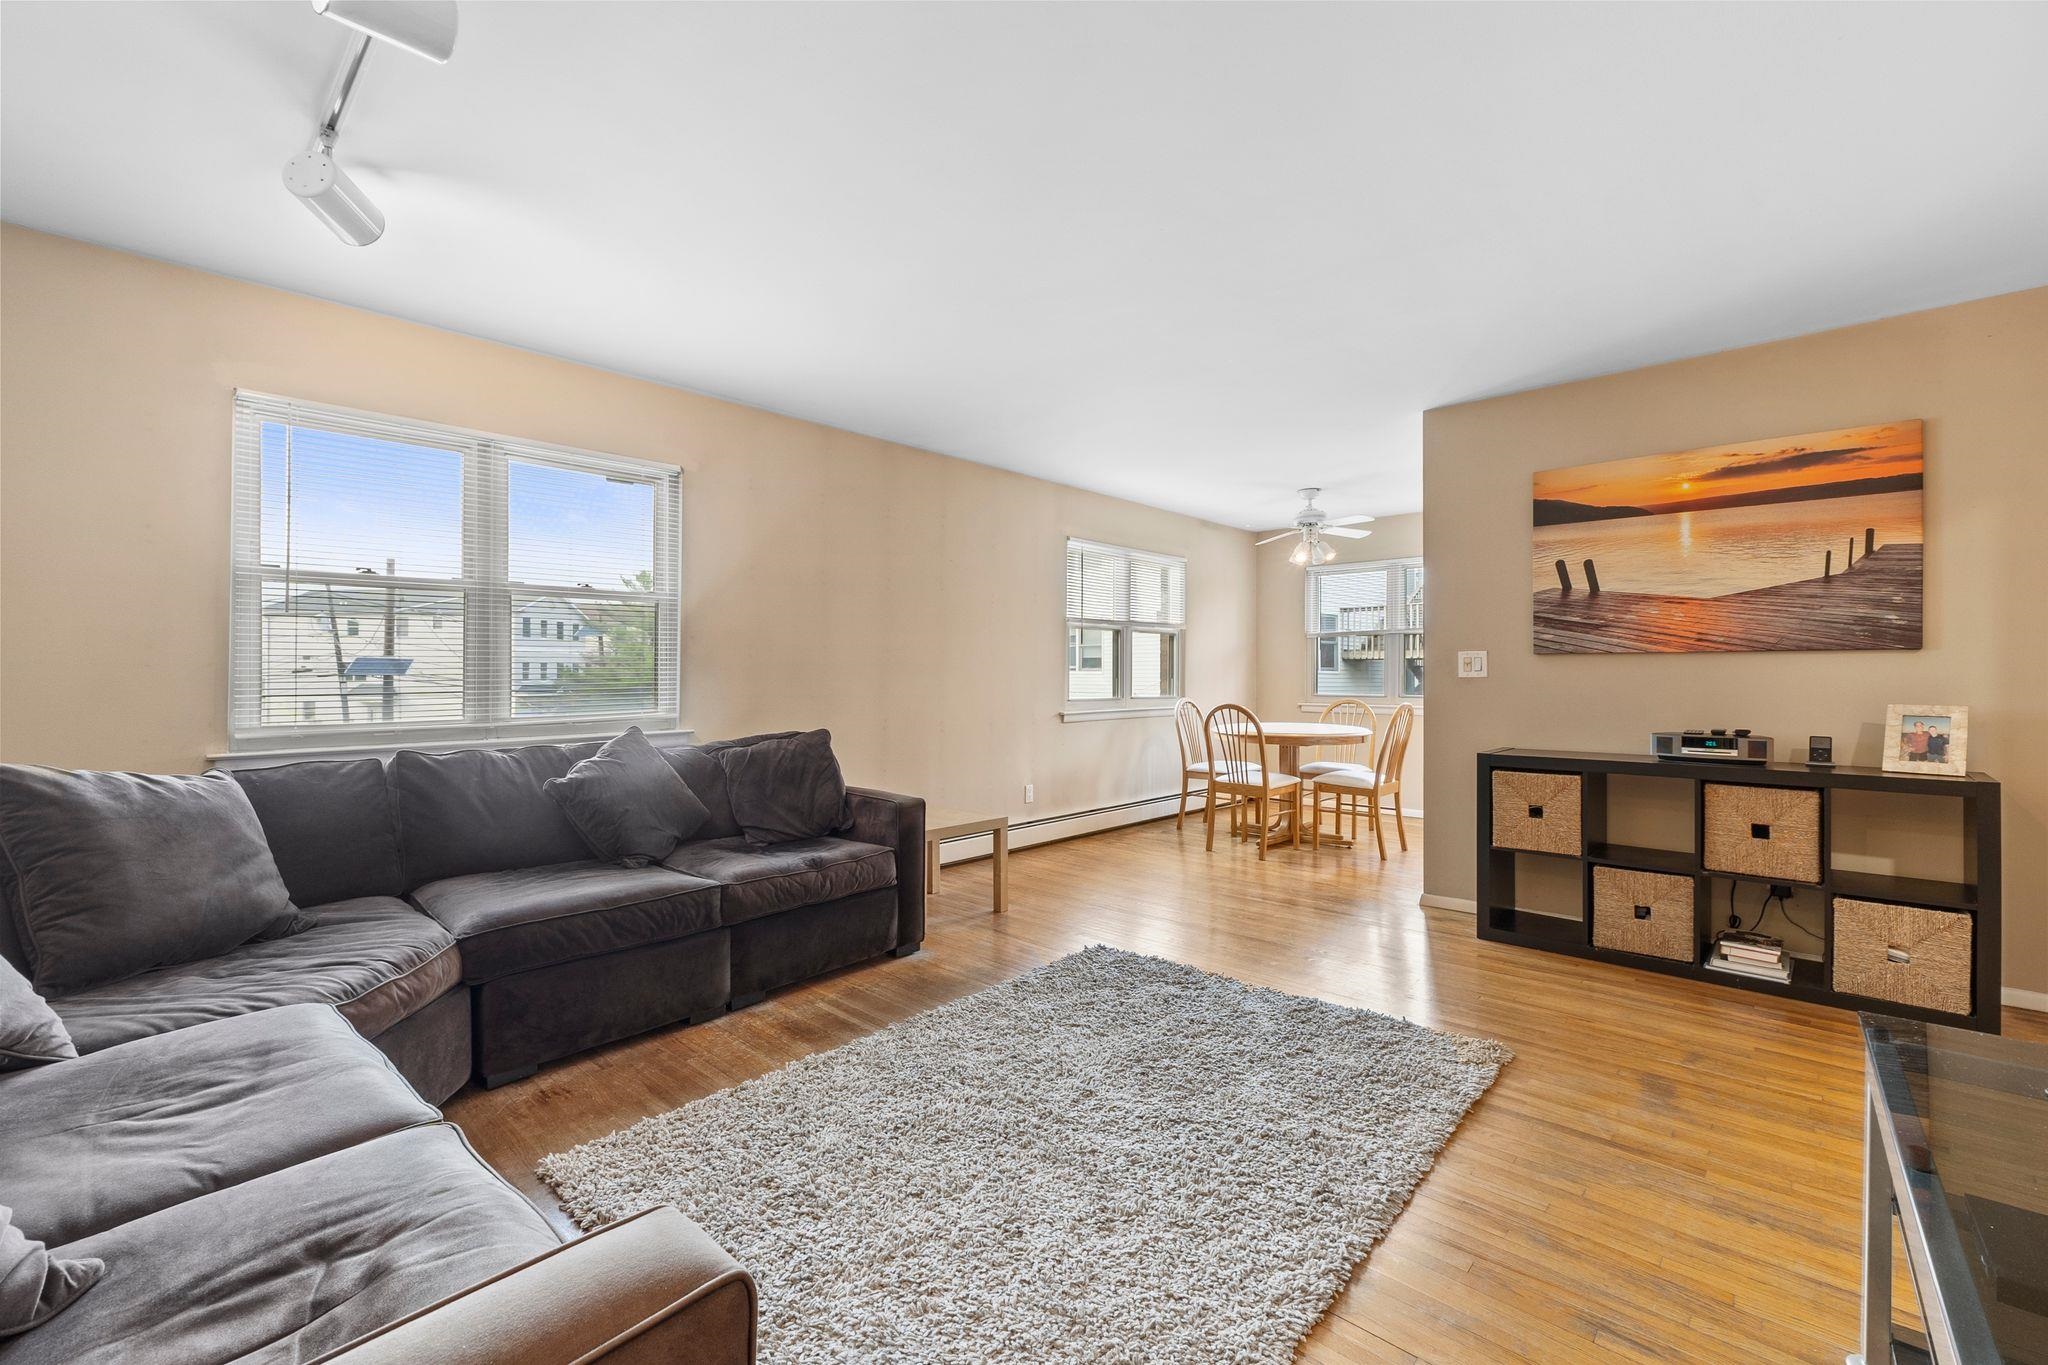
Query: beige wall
x=922 y=594
x=1284 y=686
x=1977 y=372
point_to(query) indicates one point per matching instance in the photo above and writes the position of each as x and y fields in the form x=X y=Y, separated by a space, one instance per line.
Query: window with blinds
x=1365 y=627
x=396 y=579
x=1126 y=610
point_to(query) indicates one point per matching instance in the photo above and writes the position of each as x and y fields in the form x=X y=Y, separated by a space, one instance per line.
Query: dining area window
x=1365 y=626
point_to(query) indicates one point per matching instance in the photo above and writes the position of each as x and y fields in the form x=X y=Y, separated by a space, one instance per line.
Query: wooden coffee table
x=941 y=824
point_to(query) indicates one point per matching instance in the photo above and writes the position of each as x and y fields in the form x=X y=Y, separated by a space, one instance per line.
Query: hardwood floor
x=1669 y=1170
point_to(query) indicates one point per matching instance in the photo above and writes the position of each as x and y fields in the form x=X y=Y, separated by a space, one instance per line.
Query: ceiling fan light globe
x=1299 y=555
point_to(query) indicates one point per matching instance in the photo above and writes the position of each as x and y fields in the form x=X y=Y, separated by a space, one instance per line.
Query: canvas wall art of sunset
x=1807 y=542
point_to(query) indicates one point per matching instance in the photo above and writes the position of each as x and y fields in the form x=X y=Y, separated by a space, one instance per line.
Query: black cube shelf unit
x=1502 y=920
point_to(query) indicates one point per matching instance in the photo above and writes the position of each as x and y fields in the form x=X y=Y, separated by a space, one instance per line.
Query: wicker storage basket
x=1903 y=953
x=1538 y=812
x=1762 y=831
x=1644 y=912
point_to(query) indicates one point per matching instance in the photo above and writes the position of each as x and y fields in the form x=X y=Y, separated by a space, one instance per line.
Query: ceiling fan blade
x=1349 y=521
x=1348 y=535
x=1282 y=536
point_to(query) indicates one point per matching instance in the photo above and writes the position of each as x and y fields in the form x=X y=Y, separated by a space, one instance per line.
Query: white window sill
x=270 y=758
x=1119 y=712
x=1316 y=708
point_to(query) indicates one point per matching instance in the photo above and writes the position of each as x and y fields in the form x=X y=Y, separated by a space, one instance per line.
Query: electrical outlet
x=1471 y=663
x=1030 y=793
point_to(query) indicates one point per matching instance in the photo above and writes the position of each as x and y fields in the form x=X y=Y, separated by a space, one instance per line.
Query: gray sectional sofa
x=460 y=923
x=243 y=1139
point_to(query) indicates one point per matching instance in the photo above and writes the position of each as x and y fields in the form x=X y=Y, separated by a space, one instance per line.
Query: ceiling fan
x=1312 y=523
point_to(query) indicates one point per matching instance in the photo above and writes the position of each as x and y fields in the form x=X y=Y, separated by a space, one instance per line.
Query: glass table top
x=1969 y=1113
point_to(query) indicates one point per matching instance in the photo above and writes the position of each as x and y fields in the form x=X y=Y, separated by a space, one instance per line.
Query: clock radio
x=1724 y=746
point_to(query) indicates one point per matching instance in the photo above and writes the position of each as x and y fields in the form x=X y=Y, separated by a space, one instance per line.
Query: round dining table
x=1290 y=737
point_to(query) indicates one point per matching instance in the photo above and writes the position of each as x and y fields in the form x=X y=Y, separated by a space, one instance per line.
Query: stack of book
x=1747 y=954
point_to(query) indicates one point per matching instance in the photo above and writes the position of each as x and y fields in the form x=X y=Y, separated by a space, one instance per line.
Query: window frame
x=485 y=586
x=1125 y=628
x=1394 y=688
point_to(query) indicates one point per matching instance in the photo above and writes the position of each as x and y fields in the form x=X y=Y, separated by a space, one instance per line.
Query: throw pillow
x=30 y=1031
x=787 y=788
x=627 y=802
x=115 y=873
x=34 y=1285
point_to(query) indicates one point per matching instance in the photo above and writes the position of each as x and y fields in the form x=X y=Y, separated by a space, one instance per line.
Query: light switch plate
x=1471 y=663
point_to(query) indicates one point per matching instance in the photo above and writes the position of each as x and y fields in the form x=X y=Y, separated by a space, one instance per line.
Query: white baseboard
x=1025 y=833
x=2018 y=999
x=1450 y=903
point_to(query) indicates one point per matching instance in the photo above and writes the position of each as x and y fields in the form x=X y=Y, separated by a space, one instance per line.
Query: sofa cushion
x=787 y=788
x=532 y=917
x=133 y=1129
x=31 y=1034
x=702 y=768
x=628 y=802
x=757 y=881
x=376 y=960
x=299 y=1262
x=704 y=775
x=482 y=810
x=330 y=828
x=34 y=1285
x=115 y=873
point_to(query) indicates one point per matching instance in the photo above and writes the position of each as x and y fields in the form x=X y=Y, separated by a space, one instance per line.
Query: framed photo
x=1927 y=739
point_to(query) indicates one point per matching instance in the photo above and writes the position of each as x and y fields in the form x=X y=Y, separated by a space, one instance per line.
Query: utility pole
x=390 y=643
x=340 y=667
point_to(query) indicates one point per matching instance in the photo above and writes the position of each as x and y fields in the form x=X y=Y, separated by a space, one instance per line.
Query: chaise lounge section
x=267 y=1187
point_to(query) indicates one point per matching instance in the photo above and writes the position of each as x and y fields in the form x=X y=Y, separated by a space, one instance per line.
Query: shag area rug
x=1112 y=1158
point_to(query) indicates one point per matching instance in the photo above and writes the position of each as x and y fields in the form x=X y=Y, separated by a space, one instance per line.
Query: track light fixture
x=423 y=27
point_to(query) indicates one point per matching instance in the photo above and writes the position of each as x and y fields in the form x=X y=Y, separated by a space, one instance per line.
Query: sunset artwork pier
x=1873 y=605
x=1800 y=543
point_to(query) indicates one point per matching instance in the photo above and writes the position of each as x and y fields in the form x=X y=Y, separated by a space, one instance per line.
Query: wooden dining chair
x=1351 y=788
x=1194 y=756
x=1356 y=755
x=1236 y=749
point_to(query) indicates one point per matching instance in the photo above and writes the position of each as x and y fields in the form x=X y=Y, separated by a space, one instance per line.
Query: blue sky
x=338 y=502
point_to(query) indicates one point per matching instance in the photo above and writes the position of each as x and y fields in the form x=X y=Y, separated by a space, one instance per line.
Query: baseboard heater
x=1048 y=829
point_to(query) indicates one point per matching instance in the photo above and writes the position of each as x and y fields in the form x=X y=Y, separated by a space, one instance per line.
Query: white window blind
x=1365 y=624
x=1126 y=610
x=395 y=578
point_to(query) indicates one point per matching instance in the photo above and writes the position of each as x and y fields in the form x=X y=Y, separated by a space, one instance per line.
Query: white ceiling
x=1193 y=255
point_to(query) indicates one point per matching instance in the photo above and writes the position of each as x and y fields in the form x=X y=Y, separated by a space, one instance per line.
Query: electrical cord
x=1784 y=909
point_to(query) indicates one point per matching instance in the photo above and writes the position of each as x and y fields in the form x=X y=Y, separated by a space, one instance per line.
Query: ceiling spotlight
x=424 y=27
x=334 y=198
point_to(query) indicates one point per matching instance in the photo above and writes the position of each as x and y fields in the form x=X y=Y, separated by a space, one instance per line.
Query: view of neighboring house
x=357 y=655
x=552 y=639
x=1352 y=626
